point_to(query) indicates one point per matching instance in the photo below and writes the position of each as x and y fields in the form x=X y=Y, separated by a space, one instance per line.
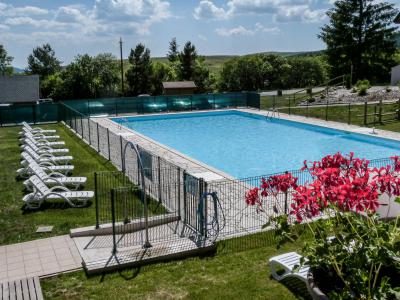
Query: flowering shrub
x=346 y=191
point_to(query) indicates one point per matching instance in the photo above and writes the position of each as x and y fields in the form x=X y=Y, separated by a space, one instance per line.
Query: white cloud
x=42 y=23
x=202 y=37
x=240 y=30
x=208 y=10
x=104 y=18
x=262 y=28
x=11 y=11
x=299 y=13
x=280 y=10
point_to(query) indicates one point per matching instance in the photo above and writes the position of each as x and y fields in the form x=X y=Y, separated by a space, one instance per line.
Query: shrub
x=362 y=90
x=362 y=83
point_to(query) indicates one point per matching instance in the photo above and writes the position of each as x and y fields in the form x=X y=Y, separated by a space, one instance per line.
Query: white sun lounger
x=35 y=129
x=38 y=136
x=42 y=193
x=288 y=262
x=25 y=171
x=46 y=157
x=43 y=142
x=53 y=178
x=44 y=149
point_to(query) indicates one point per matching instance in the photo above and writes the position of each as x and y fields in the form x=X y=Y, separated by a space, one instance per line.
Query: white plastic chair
x=52 y=178
x=47 y=157
x=288 y=262
x=41 y=192
x=43 y=142
x=25 y=171
x=44 y=149
x=27 y=127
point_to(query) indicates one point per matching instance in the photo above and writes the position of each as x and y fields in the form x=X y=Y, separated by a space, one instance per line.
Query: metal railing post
x=81 y=127
x=113 y=192
x=98 y=137
x=326 y=110
x=398 y=109
x=96 y=199
x=90 y=139
x=159 y=178
x=286 y=203
x=201 y=211
x=365 y=112
x=184 y=198
x=108 y=144
x=122 y=158
x=380 y=111
x=349 y=114
x=179 y=192
x=289 y=103
x=191 y=102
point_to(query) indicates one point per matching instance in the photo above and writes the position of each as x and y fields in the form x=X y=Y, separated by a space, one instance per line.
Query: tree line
x=360 y=39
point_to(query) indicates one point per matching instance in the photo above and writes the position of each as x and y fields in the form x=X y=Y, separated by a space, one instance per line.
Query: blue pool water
x=243 y=144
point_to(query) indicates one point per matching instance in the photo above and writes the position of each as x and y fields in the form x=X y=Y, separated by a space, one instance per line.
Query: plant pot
x=313 y=289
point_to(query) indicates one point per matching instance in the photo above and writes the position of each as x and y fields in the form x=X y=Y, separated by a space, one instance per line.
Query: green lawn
x=17 y=226
x=341 y=114
x=238 y=270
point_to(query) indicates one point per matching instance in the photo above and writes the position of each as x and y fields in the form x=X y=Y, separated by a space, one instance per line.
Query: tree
x=91 y=77
x=305 y=72
x=173 y=53
x=138 y=75
x=5 y=62
x=161 y=72
x=43 y=61
x=360 y=34
x=201 y=75
x=187 y=61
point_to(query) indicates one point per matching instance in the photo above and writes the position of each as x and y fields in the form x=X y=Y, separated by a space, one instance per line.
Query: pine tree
x=187 y=59
x=172 y=54
x=360 y=34
x=138 y=75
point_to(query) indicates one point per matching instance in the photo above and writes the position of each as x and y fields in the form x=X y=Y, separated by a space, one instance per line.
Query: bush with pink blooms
x=354 y=255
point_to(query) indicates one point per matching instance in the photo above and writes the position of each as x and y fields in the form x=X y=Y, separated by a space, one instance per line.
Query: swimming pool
x=244 y=144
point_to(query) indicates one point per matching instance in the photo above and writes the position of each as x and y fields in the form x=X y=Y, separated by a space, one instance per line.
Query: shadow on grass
x=52 y=205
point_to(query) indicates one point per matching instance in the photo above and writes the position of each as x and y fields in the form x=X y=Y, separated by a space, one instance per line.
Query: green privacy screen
x=49 y=112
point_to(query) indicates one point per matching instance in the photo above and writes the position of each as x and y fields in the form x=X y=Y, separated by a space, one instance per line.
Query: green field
x=352 y=115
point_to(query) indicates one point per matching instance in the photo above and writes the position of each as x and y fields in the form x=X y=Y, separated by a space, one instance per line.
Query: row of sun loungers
x=46 y=168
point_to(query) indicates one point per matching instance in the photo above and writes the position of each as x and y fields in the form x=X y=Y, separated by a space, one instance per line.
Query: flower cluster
x=346 y=182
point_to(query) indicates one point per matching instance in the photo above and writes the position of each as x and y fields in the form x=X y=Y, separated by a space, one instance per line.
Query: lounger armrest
x=59 y=188
x=44 y=141
x=44 y=147
x=45 y=155
x=55 y=174
x=46 y=164
x=54 y=179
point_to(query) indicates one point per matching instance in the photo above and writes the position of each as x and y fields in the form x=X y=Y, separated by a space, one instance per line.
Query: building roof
x=397 y=19
x=179 y=85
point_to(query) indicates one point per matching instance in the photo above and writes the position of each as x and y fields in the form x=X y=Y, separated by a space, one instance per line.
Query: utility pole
x=122 y=67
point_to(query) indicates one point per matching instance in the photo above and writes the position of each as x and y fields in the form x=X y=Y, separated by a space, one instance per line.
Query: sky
x=216 y=27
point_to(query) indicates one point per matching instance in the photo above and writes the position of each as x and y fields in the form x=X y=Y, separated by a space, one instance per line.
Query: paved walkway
x=39 y=258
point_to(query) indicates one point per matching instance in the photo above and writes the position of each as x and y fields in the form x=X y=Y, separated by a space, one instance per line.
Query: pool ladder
x=272 y=113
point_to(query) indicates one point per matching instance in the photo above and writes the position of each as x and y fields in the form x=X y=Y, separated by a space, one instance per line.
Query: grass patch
x=238 y=270
x=17 y=226
x=341 y=114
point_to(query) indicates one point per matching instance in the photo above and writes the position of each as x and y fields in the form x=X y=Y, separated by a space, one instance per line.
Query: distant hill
x=214 y=62
x=18 y=70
